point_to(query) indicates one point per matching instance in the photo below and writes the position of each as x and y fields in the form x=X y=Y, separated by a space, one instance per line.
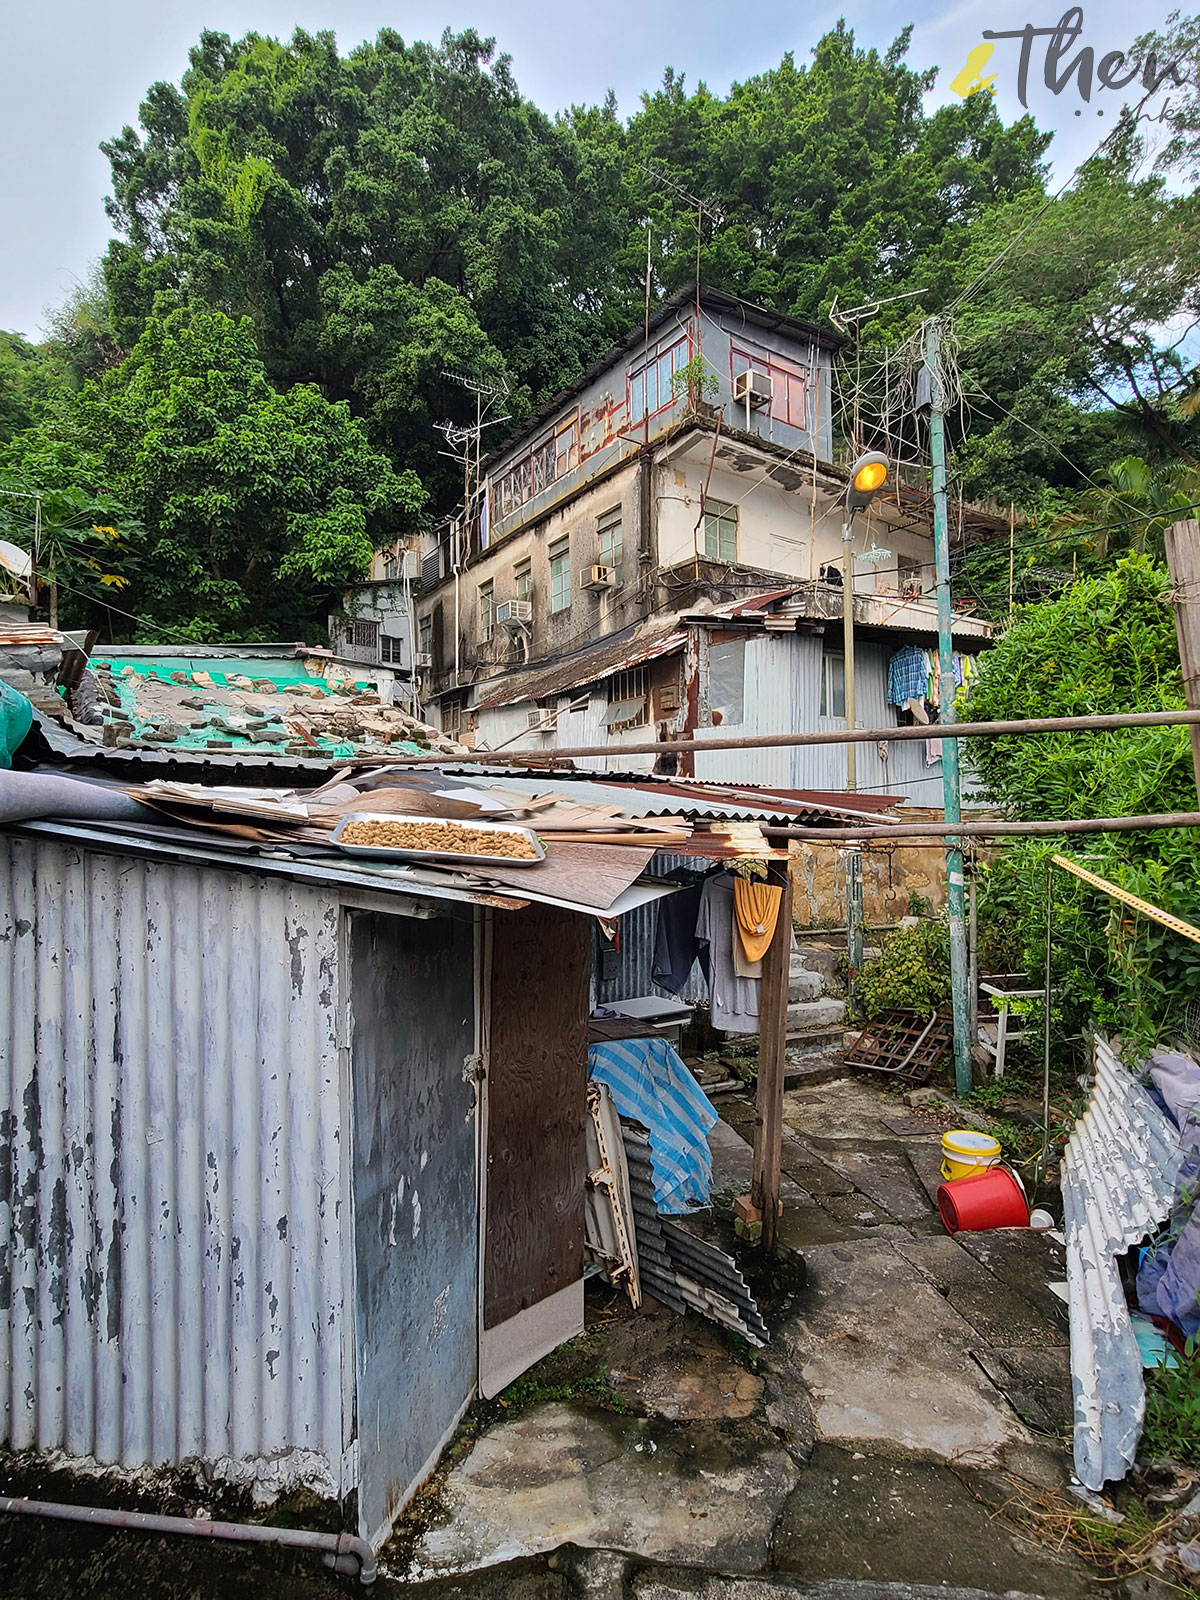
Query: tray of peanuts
x=400 y=838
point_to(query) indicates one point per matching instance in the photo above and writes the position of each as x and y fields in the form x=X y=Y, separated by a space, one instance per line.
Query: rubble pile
x=312 y=717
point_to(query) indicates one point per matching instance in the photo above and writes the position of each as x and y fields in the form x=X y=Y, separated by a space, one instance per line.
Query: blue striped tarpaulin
x=651 y=1085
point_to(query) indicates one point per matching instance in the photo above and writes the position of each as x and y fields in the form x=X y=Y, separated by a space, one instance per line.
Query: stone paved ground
x=912 y=1386
x=909 y=1388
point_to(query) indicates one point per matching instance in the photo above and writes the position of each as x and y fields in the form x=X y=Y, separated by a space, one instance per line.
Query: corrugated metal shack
x=292 y=1154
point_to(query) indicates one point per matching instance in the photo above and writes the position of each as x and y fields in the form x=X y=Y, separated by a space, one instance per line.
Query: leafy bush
x=913 y=971
x=1173 y=1411
x=1107 y=645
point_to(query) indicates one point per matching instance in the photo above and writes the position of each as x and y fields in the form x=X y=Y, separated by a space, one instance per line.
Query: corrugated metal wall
x=783 y=695
x=171 y=1129
x=636 y=934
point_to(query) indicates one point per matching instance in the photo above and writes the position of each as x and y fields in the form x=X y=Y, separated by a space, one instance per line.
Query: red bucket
x=991 y=1199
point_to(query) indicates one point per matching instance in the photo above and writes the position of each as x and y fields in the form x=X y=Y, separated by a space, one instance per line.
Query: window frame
x=713 y=520
x=628 y=685
x=363 y=634
x=523 y=579
x=487 y=610
x=552 y=456
x=425 y=636
x=676 y=356
x=558 y=555
x=608 y=523
x=832 y=661
x=786 y=379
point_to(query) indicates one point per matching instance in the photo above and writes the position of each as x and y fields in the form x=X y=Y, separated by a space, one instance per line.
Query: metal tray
x=390 y=853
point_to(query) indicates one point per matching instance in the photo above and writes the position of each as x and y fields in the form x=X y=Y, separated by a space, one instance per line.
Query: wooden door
x=535 y=1163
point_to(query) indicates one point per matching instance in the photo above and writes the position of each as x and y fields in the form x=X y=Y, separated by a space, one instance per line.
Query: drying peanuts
x=383 y=833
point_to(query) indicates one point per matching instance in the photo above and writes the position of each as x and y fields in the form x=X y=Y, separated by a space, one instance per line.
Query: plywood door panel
x=536 y=1154
x=415 y=1195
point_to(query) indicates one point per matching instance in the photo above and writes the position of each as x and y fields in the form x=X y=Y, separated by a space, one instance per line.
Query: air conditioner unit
x=753 y=388
x=596 y=577
x=514 y=613
x=422 y=661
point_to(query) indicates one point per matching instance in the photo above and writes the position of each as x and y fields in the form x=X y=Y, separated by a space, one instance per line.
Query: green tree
x=29 y=379
x=251 y=505
x=832 y=180
x=403 y=196
x=1107 y=645
x=80 y=331
x=1072 y=333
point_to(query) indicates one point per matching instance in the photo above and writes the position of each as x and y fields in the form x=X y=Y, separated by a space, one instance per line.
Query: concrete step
x=802 y=1072
x=805 y=985
x=804 y=1042
x=823 y=1013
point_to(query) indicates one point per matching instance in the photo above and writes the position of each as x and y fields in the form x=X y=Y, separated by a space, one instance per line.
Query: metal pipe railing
x=1021 y=726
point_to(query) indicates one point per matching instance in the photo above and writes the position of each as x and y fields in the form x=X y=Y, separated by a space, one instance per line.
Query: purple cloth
x=1168 y=1282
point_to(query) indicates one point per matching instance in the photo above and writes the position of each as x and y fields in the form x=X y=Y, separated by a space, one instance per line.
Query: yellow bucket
x=965 y=1152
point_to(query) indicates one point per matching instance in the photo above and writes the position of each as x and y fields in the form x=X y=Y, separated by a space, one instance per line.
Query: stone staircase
x=815 y=1017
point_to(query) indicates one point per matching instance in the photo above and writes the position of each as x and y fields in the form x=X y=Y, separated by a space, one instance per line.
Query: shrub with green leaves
x=913 y=972
x=1108 y=645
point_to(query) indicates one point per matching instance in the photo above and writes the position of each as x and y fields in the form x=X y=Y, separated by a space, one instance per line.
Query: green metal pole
x=955 y=885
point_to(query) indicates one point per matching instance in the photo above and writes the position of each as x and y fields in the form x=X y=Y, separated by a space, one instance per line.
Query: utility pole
x=955 y=884
x=1183 y=563
x=848 y=642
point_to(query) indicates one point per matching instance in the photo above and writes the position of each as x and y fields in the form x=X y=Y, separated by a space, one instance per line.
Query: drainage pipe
x=343 y=1552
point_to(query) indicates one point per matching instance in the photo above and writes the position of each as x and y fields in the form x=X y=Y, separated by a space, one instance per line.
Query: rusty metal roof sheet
x=639 y=796
x=1118 y=1181
x=538 y=683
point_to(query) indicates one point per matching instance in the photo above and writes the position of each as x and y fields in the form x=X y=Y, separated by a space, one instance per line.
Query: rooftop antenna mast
x=464 y=442
x=703 y=208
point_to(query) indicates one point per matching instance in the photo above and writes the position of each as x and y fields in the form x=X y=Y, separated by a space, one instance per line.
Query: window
x=789 y=385
x=549 y=458
x=560 y=575
x=425 y=636
x=650 y=389
x=487 y=610
x=364 y=635
x=833 y=686
x=727 y=683
x=609 y=542
x=720 y=531
x=628 y=700
x=391 y=648
x=452 y=713
x=566 y=448
x=523 y=578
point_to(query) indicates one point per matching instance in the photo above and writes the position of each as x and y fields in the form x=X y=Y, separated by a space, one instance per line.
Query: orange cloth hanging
x=756 y=907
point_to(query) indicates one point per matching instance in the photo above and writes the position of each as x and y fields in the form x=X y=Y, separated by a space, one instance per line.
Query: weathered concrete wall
x=889 y=877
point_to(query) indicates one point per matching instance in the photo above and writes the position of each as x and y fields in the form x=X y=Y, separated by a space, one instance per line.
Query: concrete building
x=594 y=589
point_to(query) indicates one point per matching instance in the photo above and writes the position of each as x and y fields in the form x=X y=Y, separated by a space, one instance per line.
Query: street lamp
x=868 y=476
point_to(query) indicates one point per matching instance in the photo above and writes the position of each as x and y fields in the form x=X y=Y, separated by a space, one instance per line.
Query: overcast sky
x=74 y=73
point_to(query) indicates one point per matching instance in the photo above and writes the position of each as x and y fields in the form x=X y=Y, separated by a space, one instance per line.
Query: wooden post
x=772 y=1043
x=1183 y=562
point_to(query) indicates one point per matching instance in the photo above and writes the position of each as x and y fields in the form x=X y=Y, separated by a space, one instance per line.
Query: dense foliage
x=912 y=971
x=1107 y=645
x=389 y=221
x=243 y=503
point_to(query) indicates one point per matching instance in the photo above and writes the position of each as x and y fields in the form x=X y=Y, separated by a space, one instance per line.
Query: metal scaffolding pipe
x=892 y=832
x=343 y=1552
x=544 y=759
